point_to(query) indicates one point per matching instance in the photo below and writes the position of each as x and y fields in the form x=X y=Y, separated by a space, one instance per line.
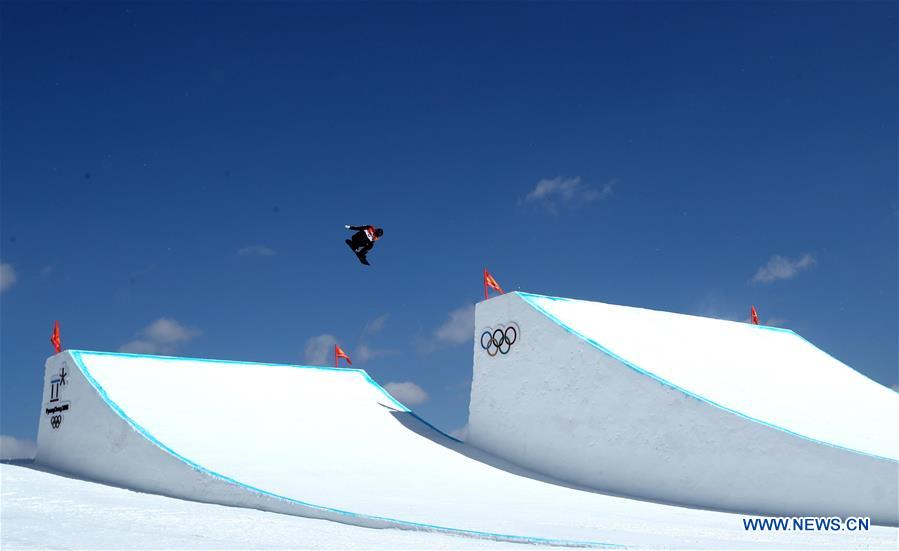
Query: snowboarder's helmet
x=379 y=232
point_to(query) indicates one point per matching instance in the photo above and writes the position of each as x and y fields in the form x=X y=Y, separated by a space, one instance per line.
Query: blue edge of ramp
x=528 y=298
x=76 y=354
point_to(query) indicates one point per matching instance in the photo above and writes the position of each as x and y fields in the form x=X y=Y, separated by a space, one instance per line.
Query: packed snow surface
x=43 y=510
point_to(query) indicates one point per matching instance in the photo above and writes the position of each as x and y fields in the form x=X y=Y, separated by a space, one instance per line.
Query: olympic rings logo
x=499 y=340
x=56 y=421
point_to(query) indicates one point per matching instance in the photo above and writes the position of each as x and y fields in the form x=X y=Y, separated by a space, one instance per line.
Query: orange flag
x=339 y=353
x=490 y=282
x=754 y=316
x=54 y=338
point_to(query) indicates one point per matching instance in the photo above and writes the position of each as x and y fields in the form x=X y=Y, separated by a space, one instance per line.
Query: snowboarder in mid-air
x=363 y=240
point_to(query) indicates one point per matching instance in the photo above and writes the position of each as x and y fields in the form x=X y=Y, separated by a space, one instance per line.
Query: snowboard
x=360 y=256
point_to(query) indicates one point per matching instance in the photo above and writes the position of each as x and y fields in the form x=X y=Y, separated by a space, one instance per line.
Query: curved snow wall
x=84 y=433
x=681 y=409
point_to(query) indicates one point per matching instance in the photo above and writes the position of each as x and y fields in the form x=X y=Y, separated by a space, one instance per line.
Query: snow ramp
x=681 y=409
x=331 y=444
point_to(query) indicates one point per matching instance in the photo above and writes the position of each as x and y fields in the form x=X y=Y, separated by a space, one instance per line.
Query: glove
x=346 y=226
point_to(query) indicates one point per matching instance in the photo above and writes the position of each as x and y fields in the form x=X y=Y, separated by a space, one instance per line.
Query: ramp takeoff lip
x=528 y=297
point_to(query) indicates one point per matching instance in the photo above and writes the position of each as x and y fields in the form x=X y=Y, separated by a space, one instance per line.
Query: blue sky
x=175 y=177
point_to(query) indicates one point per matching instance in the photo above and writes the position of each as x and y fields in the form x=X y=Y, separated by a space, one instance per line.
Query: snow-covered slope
x=43 y=510
x=682 y=409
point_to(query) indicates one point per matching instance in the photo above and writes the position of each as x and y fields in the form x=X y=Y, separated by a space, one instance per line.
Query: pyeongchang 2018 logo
x=55 y=408
x=499 y=340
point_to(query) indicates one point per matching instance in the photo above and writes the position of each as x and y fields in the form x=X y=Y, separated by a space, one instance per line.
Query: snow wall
x=681 y=409
x=85 y=431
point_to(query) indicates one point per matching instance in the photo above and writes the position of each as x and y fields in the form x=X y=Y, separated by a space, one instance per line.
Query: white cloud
x=407 y=392
x=460 y=433
x=160 y=337
x=554 y=191
x=781 y=267
x=169 y=331
x=13 y=448
x=375 y=326
x=458 y=328
x=365 y=352
x=7 y=276
x=256 y=250
x=320 y=350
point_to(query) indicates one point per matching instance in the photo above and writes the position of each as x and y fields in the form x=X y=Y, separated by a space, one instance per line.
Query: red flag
x=490 y=282
x=54 y=338
x=339 y=353
x=754 y=316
